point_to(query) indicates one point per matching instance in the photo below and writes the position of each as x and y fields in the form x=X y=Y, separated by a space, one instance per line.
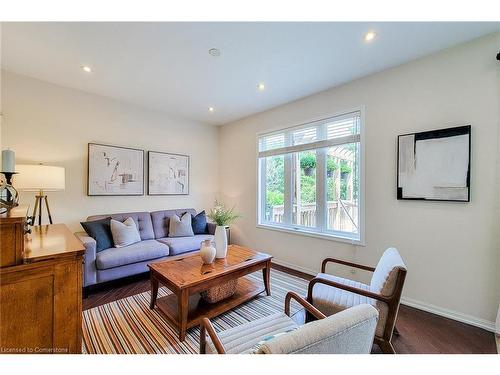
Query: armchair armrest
x=310 y=308
x=206 y=326
x=345 y=263
x=366 y=293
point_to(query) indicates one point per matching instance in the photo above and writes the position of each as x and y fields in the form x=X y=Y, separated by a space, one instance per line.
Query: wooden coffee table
x=186 y=276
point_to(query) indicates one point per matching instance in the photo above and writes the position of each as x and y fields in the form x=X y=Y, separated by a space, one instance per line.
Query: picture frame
x=114 y=170
x=435 y=165
x=168 y=173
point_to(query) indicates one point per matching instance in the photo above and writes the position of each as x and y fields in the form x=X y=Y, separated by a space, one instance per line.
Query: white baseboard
x=447 y=313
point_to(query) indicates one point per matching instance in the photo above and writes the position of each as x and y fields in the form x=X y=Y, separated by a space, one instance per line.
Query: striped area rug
x=128 y=326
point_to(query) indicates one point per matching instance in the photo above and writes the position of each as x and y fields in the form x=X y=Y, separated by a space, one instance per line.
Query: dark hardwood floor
x=420 y=331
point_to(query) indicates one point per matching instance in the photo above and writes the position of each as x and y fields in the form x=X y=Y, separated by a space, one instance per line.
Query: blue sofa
x=115 y=263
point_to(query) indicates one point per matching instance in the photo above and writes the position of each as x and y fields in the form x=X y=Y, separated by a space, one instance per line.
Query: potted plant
x=222 y=217
x=331 y=166
x=308 y=163
x=344 y=171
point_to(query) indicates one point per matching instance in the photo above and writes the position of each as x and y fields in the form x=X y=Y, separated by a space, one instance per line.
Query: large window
x=310 y=178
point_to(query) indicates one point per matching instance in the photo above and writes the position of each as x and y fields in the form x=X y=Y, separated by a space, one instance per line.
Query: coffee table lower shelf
x=198 y=308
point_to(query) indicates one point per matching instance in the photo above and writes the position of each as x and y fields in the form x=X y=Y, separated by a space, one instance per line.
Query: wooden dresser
x=41 y=294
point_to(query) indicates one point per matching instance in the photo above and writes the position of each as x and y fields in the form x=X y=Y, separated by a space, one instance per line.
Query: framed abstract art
x=435 y=165
x=168 y=174
x=114 y=170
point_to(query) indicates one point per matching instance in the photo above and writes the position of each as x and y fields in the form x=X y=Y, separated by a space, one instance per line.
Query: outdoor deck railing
x=338 y=218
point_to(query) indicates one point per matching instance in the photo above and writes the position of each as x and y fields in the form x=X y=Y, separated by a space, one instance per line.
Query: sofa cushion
x=124 y=234
x=138 y=252
x=180 y=227
x=161 y=220
x=100 y=231
x=142 y=220
x=179 y=245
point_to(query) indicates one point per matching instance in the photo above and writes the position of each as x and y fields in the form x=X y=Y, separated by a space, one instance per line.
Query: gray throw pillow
x=125 y=233
x=180 y=227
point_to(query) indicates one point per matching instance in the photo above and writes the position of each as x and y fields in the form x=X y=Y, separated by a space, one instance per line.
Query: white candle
x=8 y=161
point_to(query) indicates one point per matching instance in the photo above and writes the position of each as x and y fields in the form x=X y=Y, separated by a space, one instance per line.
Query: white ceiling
x=166 y=66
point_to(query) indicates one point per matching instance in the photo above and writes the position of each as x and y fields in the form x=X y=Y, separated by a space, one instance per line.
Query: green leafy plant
x=331 y=166
x=307 y=189
x=308 y=161
x=221 y=215
x=275 y=198
x=344 y=168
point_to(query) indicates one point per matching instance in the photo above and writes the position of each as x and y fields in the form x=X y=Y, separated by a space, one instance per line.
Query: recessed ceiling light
x=370 y=35
x=86 y=68
x=214 y=52
x=261 y=87
x=211 y=109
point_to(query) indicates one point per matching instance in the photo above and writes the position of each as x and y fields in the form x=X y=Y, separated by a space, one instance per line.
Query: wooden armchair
x=351 y=331
x=331 y=294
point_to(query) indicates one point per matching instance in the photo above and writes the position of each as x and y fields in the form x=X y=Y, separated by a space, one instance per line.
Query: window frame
x=287 y=226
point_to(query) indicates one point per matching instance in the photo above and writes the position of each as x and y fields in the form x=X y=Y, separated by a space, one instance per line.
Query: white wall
x=52 y=124
x=450 y=248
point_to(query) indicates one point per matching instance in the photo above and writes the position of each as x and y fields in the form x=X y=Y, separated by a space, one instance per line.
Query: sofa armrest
x=89 y=265
x=211 y=228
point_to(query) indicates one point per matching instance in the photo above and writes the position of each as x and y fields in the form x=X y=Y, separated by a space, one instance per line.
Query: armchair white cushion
x=385 y=274
x=348 y=332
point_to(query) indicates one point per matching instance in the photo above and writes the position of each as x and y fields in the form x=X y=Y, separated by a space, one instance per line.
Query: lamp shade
x=34 y=177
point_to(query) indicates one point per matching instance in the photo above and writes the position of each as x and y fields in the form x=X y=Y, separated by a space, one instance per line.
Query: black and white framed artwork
x=114 y=170
x=435 y=165
x=168 y=173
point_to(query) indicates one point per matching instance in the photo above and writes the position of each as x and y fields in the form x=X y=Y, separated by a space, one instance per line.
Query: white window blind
x=328 y=132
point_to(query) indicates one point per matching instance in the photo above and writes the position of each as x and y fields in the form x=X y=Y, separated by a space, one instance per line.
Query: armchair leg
x=395 y=332
x=386 y=347
x=203 y=339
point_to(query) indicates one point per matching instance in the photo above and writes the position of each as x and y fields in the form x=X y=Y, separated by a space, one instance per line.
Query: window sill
x=302 y=232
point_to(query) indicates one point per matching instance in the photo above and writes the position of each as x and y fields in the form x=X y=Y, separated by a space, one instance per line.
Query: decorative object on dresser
x=186 y=277
x=168 y=173
x=40 y=178
x=348 y=332
x=114 y=170
x=41 y=295
x=222 y=217
x=9 y=197
x=331 y=294
x=435 y=165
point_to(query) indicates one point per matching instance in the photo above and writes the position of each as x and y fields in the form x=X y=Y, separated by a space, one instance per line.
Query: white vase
x=207 y=251
x=220 y=241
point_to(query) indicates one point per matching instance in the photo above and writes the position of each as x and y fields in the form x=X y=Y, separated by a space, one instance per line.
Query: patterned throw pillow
x=256 y=348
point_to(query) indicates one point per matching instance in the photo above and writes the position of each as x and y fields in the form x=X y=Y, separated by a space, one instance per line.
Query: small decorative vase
x=207 y=251
x=220 y=241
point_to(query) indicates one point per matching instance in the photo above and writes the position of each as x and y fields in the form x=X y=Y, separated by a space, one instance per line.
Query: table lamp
x=40 y=178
